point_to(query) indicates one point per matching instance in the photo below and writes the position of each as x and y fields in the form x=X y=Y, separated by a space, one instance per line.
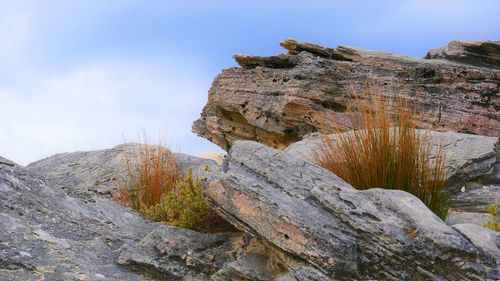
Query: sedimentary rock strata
x=479 y=53
x=277 y=100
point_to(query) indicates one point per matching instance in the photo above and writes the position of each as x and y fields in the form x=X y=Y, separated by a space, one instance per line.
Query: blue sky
x=81 y=75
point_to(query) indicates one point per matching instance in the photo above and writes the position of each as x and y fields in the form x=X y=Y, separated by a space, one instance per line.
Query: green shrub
x=185 y=206
x=155 y=187
x=385 y=150
x=492 y=224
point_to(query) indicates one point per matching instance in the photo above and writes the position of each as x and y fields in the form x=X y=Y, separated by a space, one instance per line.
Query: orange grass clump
x=386 y=150
x=151 y=172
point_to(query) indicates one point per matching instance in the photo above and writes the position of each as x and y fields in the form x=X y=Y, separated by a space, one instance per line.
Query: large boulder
x=86 y=173
x=277 y=100
x=46 y=234
x=308 y=213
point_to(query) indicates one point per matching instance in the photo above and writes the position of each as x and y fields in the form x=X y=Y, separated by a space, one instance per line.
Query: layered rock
x=87 y=173
x=309 y=213
x=477 y=199
x=46 y=234
x=181 y=254
x=480 y=53
x=277 y=100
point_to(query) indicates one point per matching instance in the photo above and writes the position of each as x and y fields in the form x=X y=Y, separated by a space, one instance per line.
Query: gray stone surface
x=309 y=213
x=468 y=157
x=476 y=200
x=486 y=240
x=86 y=173
x=47 y=235
x=458 y=217
x=180 y=254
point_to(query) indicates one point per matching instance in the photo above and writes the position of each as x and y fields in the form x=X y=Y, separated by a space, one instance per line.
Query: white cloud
x=93 y=106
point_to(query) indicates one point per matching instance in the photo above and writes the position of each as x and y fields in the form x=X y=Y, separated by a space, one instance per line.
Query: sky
x=85 y=75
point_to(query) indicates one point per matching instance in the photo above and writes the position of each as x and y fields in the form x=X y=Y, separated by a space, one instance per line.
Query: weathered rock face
x=311 y=214
x=472 y=205
x=87 y=173
x=478 y=199
x=480 y=53
x=181 y=254
x=277 y=100
x=460 y=217
x=176 y=252
x=47 y=235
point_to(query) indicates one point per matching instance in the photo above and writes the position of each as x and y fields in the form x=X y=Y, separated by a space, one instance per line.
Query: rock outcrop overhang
x=277 y=100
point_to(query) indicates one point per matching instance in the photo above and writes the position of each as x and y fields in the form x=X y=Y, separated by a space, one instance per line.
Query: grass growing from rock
x=385 y=150
x=493 y=223
x=151 y=172
x=155 y=187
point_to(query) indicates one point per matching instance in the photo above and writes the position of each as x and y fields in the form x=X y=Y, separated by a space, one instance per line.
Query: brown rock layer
x=276 y=100
x=485 y=53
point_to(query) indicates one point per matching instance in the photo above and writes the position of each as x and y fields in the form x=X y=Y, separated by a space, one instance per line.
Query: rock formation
x=277 y=100
x=480 y=53
x=299 y=222
x=309 y=213
x=181 y=254
x=45 y=234
x=296 y=221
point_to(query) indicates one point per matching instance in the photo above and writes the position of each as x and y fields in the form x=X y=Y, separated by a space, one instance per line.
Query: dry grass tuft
x=385 y=150
x=155 y=187
x=151 y=172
